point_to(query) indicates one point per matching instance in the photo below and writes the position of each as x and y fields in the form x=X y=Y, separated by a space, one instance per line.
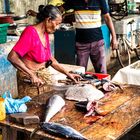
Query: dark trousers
x=96 y=52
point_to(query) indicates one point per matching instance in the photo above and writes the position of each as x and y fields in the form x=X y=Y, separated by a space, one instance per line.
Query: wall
x=19 y=7
x=8 y=80
x=1 y=6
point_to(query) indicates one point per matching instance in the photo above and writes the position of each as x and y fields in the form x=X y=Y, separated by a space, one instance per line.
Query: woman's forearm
x=61 y=69
x=17 y=62
x=57 y=66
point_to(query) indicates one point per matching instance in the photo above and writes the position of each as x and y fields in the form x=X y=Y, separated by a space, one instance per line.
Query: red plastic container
x=6 y=19
x=100 y=75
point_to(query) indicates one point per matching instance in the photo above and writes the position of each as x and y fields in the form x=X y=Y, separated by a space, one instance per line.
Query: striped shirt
x=88 y=18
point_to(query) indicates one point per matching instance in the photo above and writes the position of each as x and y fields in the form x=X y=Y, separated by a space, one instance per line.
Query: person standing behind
x=89 y=38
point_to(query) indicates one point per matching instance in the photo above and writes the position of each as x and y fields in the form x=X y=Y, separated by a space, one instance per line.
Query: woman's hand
x=74 y=77
x=60 y=68
x=36 y=81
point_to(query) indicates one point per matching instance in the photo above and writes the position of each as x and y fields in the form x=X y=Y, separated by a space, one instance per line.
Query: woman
x=32 y=52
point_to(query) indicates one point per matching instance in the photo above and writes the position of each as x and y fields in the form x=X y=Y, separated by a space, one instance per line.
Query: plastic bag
x=15 y=105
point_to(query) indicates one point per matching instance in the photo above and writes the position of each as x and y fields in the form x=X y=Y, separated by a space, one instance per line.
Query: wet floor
x=114 y=66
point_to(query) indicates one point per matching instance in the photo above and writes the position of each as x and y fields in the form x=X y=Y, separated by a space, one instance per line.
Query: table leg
x=8 y=133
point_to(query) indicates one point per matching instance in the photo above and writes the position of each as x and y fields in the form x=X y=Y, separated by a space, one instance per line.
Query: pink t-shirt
x=30 y=46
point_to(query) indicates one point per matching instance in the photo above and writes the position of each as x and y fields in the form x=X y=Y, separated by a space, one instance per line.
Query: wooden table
x=122 y=111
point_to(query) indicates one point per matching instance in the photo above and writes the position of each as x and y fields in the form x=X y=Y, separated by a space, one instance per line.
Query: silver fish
x=83 y=92
x=62 y=131
x=54 y=105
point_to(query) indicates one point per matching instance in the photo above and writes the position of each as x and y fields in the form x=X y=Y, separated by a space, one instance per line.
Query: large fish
x=83 y=92
x=54 y=105
x=62 y=131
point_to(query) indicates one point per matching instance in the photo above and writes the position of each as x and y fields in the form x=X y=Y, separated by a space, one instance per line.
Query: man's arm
x=110 y=25
x=67 y=17
x=31 y=13
x=61 y=8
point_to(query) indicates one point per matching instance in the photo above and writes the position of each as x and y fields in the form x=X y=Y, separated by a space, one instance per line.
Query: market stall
x=112 y=116
x=112 y=123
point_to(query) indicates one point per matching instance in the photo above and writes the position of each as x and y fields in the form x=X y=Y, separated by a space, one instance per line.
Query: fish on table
x=54 y=105
x=60 y=130
x=84 y=92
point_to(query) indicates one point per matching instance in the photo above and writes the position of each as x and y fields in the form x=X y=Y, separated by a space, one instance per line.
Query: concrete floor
x=112 y=65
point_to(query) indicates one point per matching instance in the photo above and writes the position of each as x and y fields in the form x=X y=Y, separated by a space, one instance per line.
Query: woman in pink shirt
x=32 y=52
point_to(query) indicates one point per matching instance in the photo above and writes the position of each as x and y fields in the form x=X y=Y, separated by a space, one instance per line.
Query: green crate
x=3 y=32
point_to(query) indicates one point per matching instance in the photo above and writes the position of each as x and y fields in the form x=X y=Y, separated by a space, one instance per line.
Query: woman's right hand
x=36 y=80
x=74 y=77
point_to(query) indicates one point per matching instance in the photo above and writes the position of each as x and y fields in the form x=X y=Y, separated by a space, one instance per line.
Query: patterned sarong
x=28 y=89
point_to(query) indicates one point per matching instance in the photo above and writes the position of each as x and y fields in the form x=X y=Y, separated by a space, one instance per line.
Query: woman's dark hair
x=47 y=11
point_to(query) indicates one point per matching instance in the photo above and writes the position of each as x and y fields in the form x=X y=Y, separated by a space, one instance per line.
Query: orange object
x=2 y=109
x=99 y=75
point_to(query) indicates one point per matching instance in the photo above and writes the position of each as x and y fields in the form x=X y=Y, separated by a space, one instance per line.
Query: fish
x=54 y=105
x=83 y=92
x=60 y=130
